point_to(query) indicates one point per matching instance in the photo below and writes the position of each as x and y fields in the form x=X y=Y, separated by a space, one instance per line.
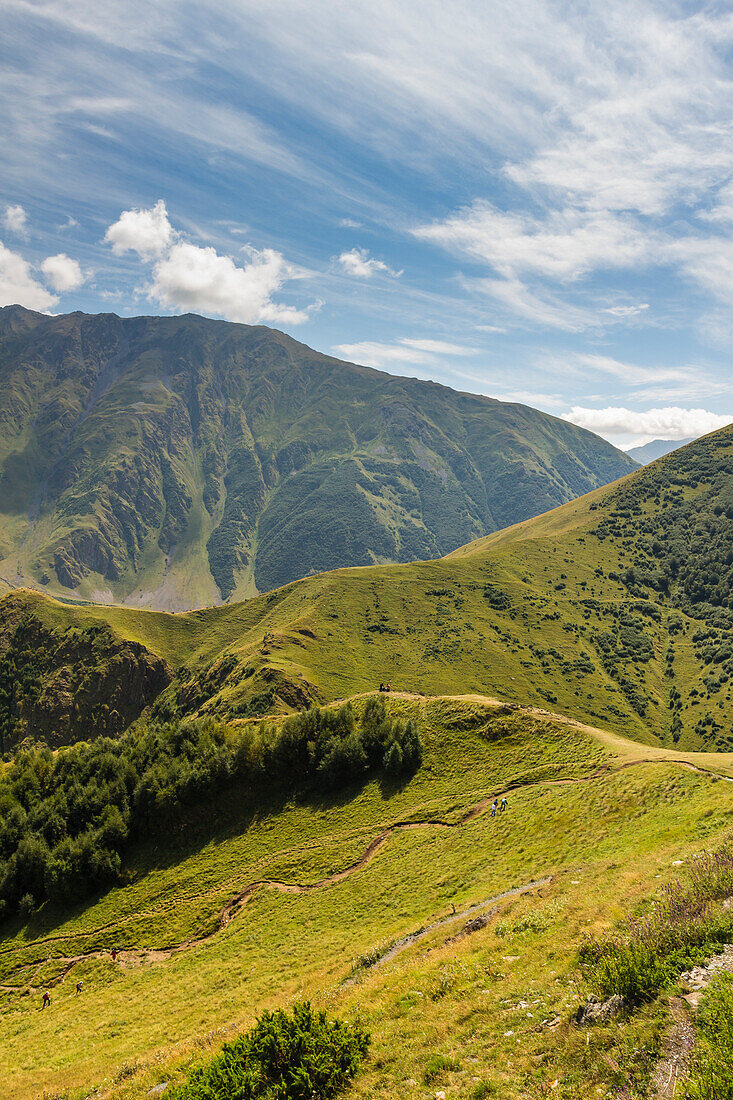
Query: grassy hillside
x=174 y=462
x=614 y=610
x=269 y=901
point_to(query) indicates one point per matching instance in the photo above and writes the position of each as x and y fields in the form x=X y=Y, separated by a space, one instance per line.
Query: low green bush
x=711 y=1076
x=682 y=927
x=438 y=1064
x=286 y=1056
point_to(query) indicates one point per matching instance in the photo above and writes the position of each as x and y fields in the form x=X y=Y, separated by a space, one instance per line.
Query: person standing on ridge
x=46 y=1000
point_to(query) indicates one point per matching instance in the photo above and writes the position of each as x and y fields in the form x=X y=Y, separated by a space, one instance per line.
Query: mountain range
x=175 y=462
x=615 y=609
x=183 y=845
x=656 y=448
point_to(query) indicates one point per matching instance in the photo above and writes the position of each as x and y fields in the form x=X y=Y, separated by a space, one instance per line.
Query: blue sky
x=532 y=201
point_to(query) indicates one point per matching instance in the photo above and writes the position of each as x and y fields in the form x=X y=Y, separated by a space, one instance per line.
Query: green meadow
x=604 y=819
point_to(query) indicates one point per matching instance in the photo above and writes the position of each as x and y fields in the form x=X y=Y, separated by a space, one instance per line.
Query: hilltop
x=614 y=609
x=175 y=462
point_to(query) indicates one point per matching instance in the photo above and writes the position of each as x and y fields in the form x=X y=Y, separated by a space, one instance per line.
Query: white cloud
x=589 y=364
x=407 y=350
x=542 y=308
x=147 y=232
x=627 y=311
x=438 y=347
x=62 y=273
x=358 y=262
x=722 y=208
x=199 y=279
x=190 y=277
x=564 y=245
x=628 y=426
x=707 y=261
x=15 y=220
x=70 y=223
x=17 y=284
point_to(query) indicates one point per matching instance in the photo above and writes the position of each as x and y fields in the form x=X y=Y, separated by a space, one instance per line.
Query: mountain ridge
x=657 y=448
x=615 y=609
x=179 y=461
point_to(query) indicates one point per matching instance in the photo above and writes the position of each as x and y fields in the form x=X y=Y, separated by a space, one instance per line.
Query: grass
x=710 y=1071
x=539 y=614
x=680 y=928
x=604 y=841
x=526 y=615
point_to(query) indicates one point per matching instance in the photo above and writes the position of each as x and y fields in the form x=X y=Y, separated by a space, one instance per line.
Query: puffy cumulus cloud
x=18 y=285
x=191 y=277
x=358 y=262
x=62 y=273
x=372 y=353
x=628 y=426
x=147 y=232
x=15 y=220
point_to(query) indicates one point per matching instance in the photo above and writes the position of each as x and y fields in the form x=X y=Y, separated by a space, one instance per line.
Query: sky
x=532 y=201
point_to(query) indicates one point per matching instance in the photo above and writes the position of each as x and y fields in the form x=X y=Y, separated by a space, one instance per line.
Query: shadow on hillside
x=232 y=813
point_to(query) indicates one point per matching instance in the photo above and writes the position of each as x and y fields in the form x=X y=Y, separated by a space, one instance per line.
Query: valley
x=576 y=664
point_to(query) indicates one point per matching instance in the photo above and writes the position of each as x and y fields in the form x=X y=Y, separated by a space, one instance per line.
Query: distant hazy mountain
x=177 y=461
x=656 y=449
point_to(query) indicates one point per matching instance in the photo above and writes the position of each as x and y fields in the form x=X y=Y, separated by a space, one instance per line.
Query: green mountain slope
x=614 y=609
x=176 y=461
x=262 y=895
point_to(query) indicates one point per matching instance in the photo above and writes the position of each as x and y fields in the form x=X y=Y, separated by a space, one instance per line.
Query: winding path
x=130 y=957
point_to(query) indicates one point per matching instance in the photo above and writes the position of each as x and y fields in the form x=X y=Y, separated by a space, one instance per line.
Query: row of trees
x=67 y=819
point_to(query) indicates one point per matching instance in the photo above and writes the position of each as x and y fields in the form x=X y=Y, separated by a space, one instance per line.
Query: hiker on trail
x=503 y=806
x=388 y=687
x=381 y=687
x=494 y=804
x=114 y=955
x=79 y=984
x=46 y=1000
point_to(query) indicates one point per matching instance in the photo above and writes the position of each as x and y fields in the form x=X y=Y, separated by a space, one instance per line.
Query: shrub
x=438 y=1064
x=682 y=927
x=484 y=1091
x=27 y=905
x=710 y=1071
x=283 y=1057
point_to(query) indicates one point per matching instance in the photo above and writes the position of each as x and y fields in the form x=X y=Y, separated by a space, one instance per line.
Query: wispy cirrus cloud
x=552 y=175
x=373 y=353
